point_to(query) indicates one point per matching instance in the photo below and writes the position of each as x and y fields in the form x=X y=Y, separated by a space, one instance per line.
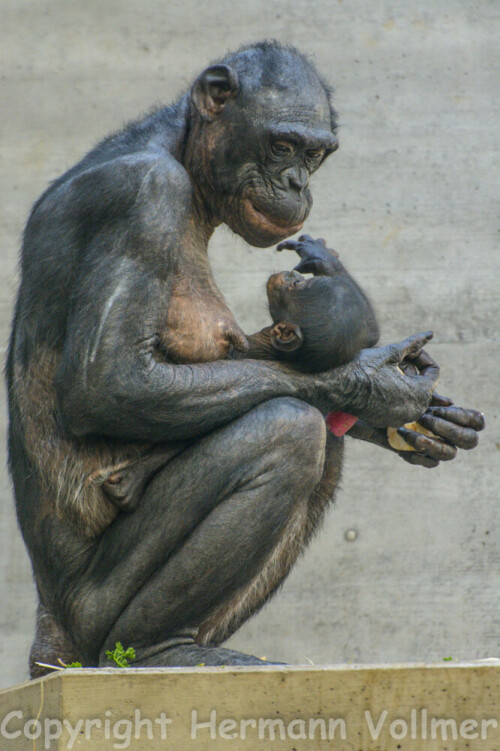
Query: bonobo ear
x=216 y=86
x=287 y=337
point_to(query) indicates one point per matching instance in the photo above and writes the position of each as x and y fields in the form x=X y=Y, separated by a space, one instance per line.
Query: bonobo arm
x=111 y=380
x=116 y=385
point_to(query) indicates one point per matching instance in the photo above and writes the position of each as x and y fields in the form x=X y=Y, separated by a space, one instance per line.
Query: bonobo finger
x=305 y=239
x=429 y=446
x=321 y=241
x=418 y=459
x=467 y=418
x=426 y=366
x=441 y=401
x=409 y=347
x=464 y=438
x=288 y=245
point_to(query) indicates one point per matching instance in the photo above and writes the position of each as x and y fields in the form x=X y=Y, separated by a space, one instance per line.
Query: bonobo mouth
x=280 y=291
x=284 y=279
x=257 y=218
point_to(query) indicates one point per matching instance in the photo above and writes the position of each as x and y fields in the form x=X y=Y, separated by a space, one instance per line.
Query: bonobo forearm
x=163 y=401
x=143 y=399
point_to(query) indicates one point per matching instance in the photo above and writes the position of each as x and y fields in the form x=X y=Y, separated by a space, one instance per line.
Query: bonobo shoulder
x=139 y=181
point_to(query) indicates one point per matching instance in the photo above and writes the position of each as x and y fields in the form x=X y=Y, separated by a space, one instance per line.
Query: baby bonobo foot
x=316 y=258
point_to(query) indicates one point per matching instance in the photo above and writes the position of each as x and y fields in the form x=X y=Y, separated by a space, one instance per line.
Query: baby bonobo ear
x=287 y=337
x=316 y=258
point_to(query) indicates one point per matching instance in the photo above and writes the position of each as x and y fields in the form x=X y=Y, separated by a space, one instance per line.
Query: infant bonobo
x=320 y=322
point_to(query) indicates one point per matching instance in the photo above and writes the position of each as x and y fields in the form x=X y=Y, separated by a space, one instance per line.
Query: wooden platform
x=451 y=707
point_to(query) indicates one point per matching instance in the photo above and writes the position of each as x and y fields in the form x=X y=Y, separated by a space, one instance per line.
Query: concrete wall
x=408 y=201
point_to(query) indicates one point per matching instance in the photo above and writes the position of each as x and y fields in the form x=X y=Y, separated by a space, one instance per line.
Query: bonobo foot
x=192 y=655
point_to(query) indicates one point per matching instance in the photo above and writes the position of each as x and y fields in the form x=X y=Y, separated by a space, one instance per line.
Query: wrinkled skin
x=457 y=427
x=120 y=343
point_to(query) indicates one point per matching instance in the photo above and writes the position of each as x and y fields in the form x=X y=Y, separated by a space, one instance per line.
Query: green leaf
x=119 y=656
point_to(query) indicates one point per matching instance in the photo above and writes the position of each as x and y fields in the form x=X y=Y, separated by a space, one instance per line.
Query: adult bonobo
x=120 y=345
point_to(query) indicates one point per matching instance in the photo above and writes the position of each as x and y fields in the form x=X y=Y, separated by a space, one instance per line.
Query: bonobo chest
x=199 y=326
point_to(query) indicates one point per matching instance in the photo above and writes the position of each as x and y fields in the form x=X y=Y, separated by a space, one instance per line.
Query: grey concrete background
x=408 y=201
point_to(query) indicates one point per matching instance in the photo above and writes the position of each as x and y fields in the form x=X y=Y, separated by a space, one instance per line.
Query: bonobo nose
x=296 y=178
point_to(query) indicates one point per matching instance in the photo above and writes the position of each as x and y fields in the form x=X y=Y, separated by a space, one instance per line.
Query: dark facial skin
x=120 y=346
x=265 y=195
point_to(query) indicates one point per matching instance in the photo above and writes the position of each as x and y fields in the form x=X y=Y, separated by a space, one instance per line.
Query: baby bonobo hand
x=316 y=258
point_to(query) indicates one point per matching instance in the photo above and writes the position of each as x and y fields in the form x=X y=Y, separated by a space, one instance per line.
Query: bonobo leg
x=126 y=485
x=51 y=645
x=204 y=529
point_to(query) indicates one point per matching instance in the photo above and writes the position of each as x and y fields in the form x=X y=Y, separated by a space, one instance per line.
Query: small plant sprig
x=118 y=655
x=121 y=656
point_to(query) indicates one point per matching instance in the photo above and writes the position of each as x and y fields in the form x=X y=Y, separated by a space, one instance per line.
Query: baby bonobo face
x=320 y=321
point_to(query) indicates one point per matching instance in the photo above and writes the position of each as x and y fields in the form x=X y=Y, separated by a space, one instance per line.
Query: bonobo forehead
x=290 y=109
x=279 y=85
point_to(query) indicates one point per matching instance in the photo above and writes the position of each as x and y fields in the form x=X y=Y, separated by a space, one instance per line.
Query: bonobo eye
x=283 y=148
x=299 y=283
x=315 y=155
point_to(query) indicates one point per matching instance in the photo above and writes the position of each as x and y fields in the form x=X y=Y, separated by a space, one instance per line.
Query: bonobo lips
x=279 y=287
x=283 y=279
x=257 y=218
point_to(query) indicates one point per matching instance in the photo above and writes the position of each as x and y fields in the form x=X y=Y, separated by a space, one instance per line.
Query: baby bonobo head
x=322 y=321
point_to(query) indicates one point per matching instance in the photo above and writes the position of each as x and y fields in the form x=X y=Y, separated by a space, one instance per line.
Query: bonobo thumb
x=411 y=347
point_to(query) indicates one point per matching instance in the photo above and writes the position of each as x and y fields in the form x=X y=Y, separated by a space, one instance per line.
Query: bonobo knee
x=300 y=433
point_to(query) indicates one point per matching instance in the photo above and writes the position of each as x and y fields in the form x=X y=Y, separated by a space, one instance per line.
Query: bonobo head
x=261 y=123
x=321 y=321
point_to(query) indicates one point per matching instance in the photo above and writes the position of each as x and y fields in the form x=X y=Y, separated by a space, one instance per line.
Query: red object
x=340 y=422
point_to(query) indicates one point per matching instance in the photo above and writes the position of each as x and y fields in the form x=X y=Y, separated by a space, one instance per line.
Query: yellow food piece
x=398 y=443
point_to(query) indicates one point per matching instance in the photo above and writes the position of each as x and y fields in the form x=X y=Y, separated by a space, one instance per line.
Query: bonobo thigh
x=208 y=522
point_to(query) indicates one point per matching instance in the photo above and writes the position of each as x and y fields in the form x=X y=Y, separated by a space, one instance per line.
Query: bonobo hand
x=316 y=258
x=457 y=427
x=380 y=392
